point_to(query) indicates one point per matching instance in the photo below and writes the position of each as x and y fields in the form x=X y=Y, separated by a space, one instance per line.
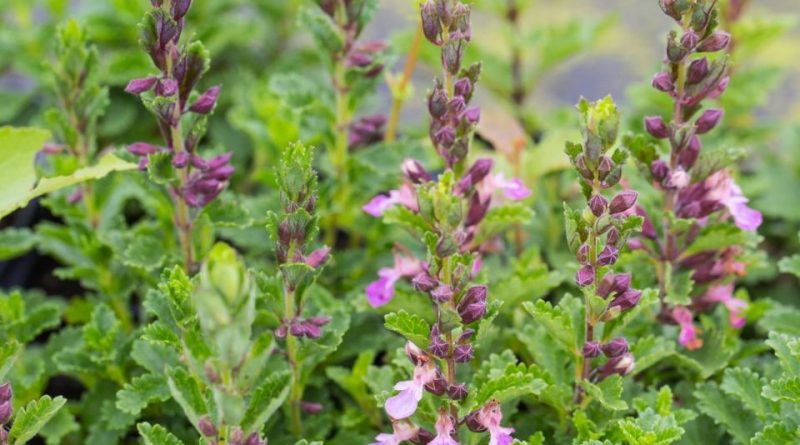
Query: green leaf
x=679 y=289
x=556 y=321
x=607 y=393
x=783 y=389
x=267 y=398
x=8 y=355
x=651 y=428
x=18 y=148
x=499 y=219
x=186 y=391
x=715 y=238
x=322 y=27
x=790 y=265
x=15 y=242
x=745 y=385
x=62 y=424
x=776 y=433
x=156 y=435
x=726 y=411
x=411 y=326
x=514 y=381
x=32 y=418
x=141 y=391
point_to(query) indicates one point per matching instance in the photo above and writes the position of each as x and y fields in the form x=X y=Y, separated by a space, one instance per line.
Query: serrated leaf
x=776 y=433
x=790 y=265
x=18 y=148
x=608 y=392
x=556 y=321
x=651 y=428
x=32 y=418
x=59 y=426
x=515 y=381
x=266 y=399
x=726 y=412
x=411 y=326
x=156 y=435
x=499 y=219
x=15 y=242
x=746 y=385
x=8 y=355
x=186 y=391
x=141 y=391
x=783 y=389
x=405 y=218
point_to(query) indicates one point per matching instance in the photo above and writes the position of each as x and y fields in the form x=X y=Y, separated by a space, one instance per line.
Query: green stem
x=399 y=90
x=296 y=392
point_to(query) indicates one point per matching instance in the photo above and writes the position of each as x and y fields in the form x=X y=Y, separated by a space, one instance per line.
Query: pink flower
x=405 y=196
x=490 y=417
x=381 y=291
x=403 y=430
x=404 y=404
x=444 y=430
x=723 y=189
x=513 y=189
x=724 y=294
x=688 y=335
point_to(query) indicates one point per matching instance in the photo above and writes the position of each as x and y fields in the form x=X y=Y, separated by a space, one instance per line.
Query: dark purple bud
x=438 y=386
x=311 y=408
x=591 y=349
x=206 y=427
x=452 y=51
x=604 y=167
x=254 y=439
x=663 y=82
x=6 y=392
x=318 y=257
x=457 y=392
x=281 y=331
x=5 y=412
x=237 y=436
x=472 y=306
x=583 y=254
x=320 y=320
x=598 y=205
x=622 y=202
x=445 y=137
x=689 y=155
x=474 y=423
x=437 y=103
x=415 y=171
x=659 y=169
x=221 y=173
x=423 y=437
x=613 y=237
x=442 y=293
x=142 y=149
x=690 y=39
x=606 y=285
x=431 y=26
x=167 y=87
x=466 y=335
x=180 y=160
x=205 y=103
x=715 y=42
x=626 y=300
x=616 y=347
x=584 y=276
x=139 y=86
x=456 y=104
x=463 y=353
x=471 y=115
x=415 y=354
x=621 y=365
x=296 y=329
x=423 y=282
x=479 y=170
x=656 y=127
x=477 y=210
x=608 y=256
x=463 y=88
x=438 y=347
x=583 y=169
x=698 y=70
x=708 y=120
x=75 y=197
x=723 y=84
x=622 y=282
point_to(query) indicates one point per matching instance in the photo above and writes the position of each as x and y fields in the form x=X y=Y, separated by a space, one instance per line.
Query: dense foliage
x=236 y=223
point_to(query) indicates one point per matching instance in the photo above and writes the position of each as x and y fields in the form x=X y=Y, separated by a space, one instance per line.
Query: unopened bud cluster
x=6 y=411
x=237 y=436
x=169 y=96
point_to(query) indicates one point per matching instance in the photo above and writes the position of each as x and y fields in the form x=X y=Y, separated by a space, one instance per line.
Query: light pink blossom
x=513 y=189
x=724 y=294
x=404 y=404
x=381 y=291
x=444 y=430
x=723 y=189
x=688 y=336
x=490 y=417
x=403 y=430
x=405 y=196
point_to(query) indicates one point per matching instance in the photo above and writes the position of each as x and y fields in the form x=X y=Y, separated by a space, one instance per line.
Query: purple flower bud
x=708 y=120
x=659 y=169
x=206 y=427
x=621 y=365
x=205 y=103
x=598 y=205
x=612 y=237
x=237 y=436
x=296 y=329
x=477 y=210
x=616 y=347
x=442 y=293
x=622 y=202
x=677 y=179
x=584 y=276
x=456 y=104
x=656 y=127
x=663 y=82
x=463 y=88
x=472 y=306
x=415 y=354
x=626 y=300
x=466 y=335
x=320 y=320
x=5 y=412
x=415 y=171
x=311 y=407
x=474 y=423
x=608 y=256
x=591 y=349
x=438 y=347
x=253 y=439
x=423 y=282
x=723 y=84
x=715 y=42
x=604 y=167
x=142 y=149
x=431 y=26
x=221 y=173
x=457 y=392
x=318 y=257
x=6 y=392
x=438 y=386
x=479 y=170
x=471 y=115
x=139 y=86
x=445 y=137
x=281 y=331
x=688 y=156
x=583 y=169
x=583 y=254
x=437 y=102
x=690 y=39
x=698 y=70
x=180 y=160
x=452 y=51
x=167 y=87
x=463 y=353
